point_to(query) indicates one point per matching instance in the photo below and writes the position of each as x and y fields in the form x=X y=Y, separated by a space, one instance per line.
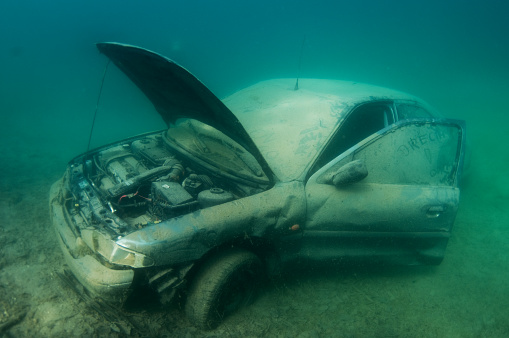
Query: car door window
x=416 y=153
x=362 y=122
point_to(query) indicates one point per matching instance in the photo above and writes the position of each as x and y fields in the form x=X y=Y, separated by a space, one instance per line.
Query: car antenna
x=97 y=104
x=300 y=62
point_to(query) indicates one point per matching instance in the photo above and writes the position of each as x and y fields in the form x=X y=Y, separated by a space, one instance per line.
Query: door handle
x=435 y=211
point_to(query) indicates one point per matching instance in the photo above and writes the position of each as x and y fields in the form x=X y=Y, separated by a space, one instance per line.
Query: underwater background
x=453 y=54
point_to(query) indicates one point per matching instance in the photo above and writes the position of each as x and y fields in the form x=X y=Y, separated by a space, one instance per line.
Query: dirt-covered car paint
x=331 y=172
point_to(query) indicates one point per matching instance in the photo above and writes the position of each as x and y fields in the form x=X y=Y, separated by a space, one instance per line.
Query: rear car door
x=403 y=211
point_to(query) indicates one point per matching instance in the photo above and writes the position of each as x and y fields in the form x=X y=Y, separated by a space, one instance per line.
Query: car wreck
x=235 y=189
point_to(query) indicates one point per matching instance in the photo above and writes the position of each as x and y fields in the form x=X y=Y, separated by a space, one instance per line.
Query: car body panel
x=268 y=215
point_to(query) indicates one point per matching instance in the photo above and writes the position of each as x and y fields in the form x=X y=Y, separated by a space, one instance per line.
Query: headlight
x=113 y=252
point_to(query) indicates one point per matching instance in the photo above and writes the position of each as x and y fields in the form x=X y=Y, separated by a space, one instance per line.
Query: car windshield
x=206 y=144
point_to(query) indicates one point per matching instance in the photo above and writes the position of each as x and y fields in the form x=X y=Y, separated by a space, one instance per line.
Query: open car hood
x=176 y=93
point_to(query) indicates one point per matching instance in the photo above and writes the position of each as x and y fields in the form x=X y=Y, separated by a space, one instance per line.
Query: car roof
x=290 y=127
x=276 y=91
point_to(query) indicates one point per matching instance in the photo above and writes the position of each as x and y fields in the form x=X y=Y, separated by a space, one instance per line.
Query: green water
x=453 y=54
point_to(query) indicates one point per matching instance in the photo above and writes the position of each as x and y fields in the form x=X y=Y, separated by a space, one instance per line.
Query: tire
x=226 y=282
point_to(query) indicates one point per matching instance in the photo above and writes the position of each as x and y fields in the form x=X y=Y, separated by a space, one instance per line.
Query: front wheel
x=225 y=282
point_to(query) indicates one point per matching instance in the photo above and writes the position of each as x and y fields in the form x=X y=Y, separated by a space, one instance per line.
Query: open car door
x=403 y=210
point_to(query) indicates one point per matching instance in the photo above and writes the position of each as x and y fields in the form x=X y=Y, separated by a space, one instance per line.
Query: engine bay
x=129 y=185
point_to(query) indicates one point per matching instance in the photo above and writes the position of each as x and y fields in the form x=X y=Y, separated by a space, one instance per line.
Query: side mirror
x=351 y=172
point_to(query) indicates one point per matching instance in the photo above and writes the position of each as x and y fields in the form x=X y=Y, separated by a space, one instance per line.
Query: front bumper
x=109 y=284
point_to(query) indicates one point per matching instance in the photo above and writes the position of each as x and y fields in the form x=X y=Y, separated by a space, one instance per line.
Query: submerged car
x=329 y=172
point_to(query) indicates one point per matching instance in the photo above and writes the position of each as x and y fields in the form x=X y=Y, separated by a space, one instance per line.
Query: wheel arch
x=262 y=248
